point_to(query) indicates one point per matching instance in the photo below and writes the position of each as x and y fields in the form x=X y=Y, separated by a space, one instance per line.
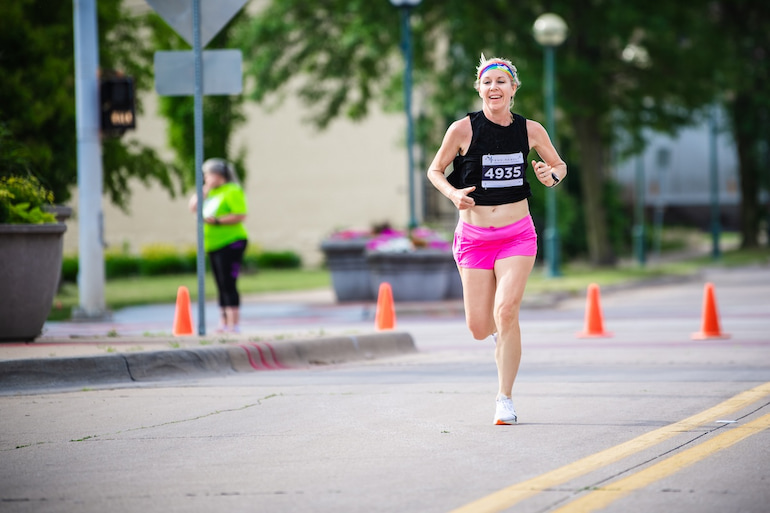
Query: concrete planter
x=30 y=265
x=346 y=260
x=61 y=212
x=422 y=275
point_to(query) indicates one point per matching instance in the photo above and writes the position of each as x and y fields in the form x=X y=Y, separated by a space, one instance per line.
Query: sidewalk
x=281 y=315
x=280 y=330
x=306 y=314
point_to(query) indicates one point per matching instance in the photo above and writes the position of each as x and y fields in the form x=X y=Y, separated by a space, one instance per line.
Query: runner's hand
x=543 y=173
x=461 y=199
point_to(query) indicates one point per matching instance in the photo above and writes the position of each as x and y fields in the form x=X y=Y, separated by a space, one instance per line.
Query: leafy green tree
x=741 y=69
x=36 y=101
x=340 y=55
x=603 y=91
x=37 y=94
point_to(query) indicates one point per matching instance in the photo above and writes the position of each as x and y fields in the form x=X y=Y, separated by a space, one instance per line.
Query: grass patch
x=576 y=277
x=738 y=258
x=142 y=290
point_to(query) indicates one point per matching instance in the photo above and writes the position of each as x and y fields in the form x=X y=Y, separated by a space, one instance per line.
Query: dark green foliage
x=37 y=101
x=339 y=56
x=69 y=268
x=165 y=259
x=22 y=199
x=741 y=55
x=37 y=94
x=121 y=264
x=160 y=260
x=278 y=260
x=619 y=222
x=163 y=264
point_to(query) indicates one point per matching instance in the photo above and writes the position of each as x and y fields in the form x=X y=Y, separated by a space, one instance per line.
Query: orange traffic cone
x=183 y=315
x=594 y=326
x=710 y=322
x=385 y=318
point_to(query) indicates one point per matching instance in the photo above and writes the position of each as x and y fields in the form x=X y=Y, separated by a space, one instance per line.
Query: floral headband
x=497 y=65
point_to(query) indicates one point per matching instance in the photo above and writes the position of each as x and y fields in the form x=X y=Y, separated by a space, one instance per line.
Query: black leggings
x=225 y=265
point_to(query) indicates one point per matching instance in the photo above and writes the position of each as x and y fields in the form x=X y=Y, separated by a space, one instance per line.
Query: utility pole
x=91 y=274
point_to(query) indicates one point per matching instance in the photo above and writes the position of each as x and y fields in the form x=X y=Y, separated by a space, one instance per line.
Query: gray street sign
x=214 y=15
x=175 y=73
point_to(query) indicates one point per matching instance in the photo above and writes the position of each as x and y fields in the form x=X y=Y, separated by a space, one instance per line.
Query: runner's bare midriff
x=495 y=216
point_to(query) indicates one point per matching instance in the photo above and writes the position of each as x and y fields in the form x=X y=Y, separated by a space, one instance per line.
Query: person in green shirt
x=224 y=235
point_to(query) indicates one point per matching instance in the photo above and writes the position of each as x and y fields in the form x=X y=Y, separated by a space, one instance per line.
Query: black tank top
x=496 y=162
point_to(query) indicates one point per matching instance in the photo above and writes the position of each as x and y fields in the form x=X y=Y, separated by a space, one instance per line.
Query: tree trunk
x=743 y=113
x=592 y=176
x=745 y=26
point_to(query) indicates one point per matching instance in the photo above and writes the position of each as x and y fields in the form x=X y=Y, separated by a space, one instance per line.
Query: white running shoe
x=505 y=413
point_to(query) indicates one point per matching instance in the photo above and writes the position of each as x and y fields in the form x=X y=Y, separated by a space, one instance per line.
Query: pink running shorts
x=475 y=247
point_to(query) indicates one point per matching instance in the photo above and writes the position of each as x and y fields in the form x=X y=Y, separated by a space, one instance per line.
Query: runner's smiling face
x=496 y=88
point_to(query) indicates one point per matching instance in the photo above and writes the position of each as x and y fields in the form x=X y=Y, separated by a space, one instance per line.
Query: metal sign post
x=198 y=22
x=198 y=117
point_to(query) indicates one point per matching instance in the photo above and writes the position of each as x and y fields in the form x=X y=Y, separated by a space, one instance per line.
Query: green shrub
x=251 y=258
x=189 y=259
x=22 y=199
x=159 y=259
x=69 y=268
x=121 y=264
x=278 y=260
x=250 y=262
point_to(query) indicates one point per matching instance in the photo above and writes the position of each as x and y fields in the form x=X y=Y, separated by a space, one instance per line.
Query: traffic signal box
x=117 y=102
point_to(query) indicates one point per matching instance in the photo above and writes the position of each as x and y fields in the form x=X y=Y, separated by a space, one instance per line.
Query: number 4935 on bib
x=502 y=170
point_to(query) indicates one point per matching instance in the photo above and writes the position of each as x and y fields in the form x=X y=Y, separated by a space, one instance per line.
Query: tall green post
x=716 y=227
x=550 y=31
x=405 y=7
x=639 y=230
x=551 y=246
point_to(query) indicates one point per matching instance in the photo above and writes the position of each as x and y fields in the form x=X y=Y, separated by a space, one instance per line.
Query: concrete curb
x=26 y=374
x=63 y=372
x=252 y=356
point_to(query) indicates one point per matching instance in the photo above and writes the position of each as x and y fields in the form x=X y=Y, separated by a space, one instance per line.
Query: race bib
x=502 y=170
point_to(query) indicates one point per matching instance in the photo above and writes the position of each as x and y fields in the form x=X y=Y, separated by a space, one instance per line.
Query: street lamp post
x=639 y=232
x=550 y=31
x=714 y=182
x=637 y=55
x=405 y=7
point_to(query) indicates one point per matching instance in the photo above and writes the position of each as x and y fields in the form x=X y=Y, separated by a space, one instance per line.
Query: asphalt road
x=643 y=420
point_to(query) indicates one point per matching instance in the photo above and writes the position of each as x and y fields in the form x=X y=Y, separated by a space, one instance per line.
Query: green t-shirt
x=225 y=199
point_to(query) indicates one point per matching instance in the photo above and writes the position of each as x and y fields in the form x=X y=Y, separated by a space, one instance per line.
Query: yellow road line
x=507 y=497
x=605 y=495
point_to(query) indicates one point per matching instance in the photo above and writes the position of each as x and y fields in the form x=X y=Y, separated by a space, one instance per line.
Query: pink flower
x=351 y=234
x=389 y=239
